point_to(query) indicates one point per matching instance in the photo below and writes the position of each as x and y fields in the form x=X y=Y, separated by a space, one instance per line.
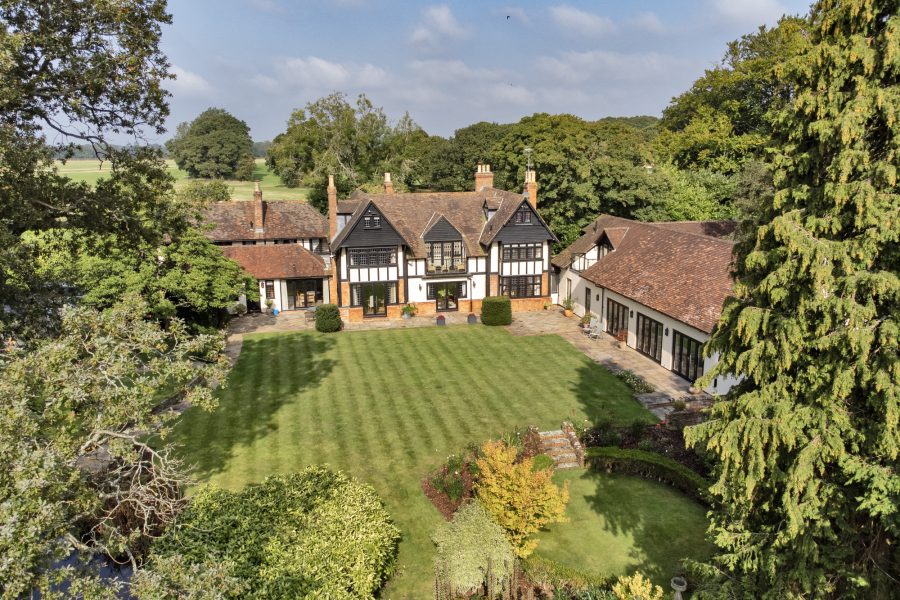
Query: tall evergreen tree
x=808 y=442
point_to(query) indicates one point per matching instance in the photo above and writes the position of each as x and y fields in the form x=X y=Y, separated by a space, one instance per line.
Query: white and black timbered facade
x=439 y=251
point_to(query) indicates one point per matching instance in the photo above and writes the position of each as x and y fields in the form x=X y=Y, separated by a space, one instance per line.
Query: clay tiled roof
x=683 y=275
x=718 y=229
x=590 y=237
x=412 y=214
x=231 y=221
x=279 y=261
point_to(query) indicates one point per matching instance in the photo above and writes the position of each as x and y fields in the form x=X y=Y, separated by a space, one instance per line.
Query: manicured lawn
x=388 y=406
x=91 y=170
x=620 y=524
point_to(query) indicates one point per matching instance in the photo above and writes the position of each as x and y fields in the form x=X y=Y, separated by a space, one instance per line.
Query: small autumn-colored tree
x=636 y=587
x=519 y=498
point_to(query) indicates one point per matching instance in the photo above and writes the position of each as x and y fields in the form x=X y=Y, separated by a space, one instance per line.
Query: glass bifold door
x=649 y=337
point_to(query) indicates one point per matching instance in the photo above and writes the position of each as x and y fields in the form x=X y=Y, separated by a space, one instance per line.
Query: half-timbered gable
x=448 y=245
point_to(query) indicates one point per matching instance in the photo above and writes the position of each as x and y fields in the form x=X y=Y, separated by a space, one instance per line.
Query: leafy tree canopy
x=77 y=479
x=312 y=534
x=215 y=145
x=356 y=144
x=809 y=441
x=721 y=121
x=584 y=168
x=80 y=70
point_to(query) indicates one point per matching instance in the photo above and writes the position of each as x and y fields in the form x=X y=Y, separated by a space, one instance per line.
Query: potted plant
x=567 y=306
x=622 y=337
x=585 y=321
x=546 y=306
x=269 y=304
x=441 y=320
x=409 y=311
x=472 y=319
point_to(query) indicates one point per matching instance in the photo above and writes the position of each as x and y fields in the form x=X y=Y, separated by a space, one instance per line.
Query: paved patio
x=604 y=350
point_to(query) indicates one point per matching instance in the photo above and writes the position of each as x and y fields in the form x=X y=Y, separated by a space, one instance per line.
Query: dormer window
x=372 y=222
x=523 y=216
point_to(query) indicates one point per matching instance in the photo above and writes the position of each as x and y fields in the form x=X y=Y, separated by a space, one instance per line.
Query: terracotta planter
x=567 y=312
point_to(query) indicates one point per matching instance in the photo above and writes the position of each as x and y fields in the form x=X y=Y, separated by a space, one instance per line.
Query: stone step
x=555 y=433
x=556 y=442
x=564 y=456
x=568 y=465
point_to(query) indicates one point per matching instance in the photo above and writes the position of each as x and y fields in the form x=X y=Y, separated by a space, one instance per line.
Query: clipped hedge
x=315 y=533
x=328 y=318
x=649 y=465
x=496 y=310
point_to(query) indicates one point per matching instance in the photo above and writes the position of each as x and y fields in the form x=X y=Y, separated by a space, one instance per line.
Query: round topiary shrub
x=315 y=533
x=496 y=310
x=328 y=318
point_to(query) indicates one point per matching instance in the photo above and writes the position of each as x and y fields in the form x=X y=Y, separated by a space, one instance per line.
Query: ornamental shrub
x=328 y=318
x=472 y=553
x=637 y=587
x=520 y=499
x=496 y=310
x=315 y=533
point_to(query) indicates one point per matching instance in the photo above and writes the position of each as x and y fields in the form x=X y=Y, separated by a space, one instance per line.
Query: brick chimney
x=332 y=208
x=483 y=177
x=531 y=187
x=259 y=210
x=388 y=186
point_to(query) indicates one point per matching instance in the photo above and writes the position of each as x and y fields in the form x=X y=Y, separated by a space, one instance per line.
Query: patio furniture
x=310 y=315
x=594 y=332
x=591 y=326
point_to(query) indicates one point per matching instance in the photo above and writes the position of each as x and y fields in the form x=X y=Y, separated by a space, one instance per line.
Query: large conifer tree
x=808 y=442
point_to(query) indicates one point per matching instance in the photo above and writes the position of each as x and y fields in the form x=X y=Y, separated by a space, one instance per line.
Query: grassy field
x=389 y=406
x=91 y=170
x=605 y=534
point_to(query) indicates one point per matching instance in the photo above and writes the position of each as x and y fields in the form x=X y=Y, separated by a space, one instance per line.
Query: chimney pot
x=531 y=187
x=259 y=210
x=483 y=177
x=332 y=208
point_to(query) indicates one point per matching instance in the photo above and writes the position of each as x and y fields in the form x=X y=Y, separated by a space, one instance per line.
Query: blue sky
x=449 y=64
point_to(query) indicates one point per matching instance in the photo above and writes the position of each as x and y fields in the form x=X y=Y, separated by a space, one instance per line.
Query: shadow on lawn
x=604 y=396
x=660 y=543
x=270 y=371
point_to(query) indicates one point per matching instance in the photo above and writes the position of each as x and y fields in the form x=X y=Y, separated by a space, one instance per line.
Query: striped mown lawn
x=388 y=406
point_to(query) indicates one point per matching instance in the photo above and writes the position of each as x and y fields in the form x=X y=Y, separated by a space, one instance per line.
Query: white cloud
x=648 y=21
x=575 y=68
x=452 y=71
x=314 y=72
x=187 y=83
x=749 y=13
x=580 y=21
x=437 y=23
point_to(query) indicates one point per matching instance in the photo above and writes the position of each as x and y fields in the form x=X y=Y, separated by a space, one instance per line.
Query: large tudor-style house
x=442 y=251
x=659 y=287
